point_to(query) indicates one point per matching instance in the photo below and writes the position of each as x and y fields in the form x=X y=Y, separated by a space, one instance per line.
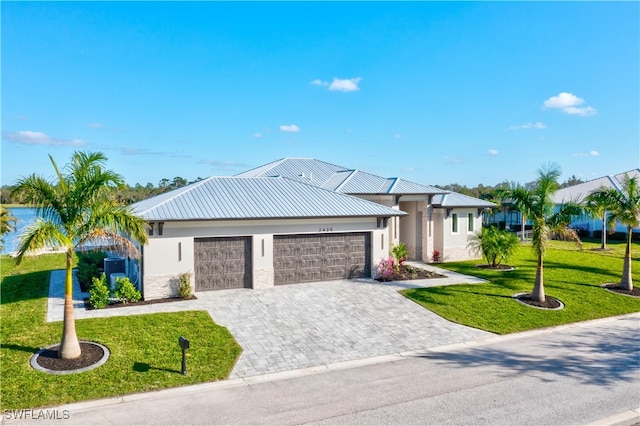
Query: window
x=454 y=223
x=470 y=222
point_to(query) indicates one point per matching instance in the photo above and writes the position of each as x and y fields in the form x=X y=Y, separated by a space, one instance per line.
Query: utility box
x=113 y=265
x=113 y=277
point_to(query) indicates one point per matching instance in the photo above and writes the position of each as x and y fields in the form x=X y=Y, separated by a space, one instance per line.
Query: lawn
x=145 y=355
x=571 y=275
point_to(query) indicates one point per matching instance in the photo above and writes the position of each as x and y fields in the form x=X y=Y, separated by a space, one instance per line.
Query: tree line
x=125 y=194
x=128 y=194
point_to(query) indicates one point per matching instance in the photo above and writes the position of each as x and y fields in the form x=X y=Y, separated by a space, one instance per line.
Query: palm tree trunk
x=626 y=282
x=603 y=246
x=538 y=288
x=69 y=346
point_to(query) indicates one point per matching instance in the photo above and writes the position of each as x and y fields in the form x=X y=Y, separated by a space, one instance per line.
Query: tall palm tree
x=78 y=208
x=537 y=205
x=623 y=207
x=7 y=224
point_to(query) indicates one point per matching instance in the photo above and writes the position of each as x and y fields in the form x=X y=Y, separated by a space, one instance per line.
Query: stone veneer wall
x=161 y=286
x=263 y=278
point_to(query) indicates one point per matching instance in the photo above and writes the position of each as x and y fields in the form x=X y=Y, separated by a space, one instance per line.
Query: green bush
x=400 y=253
x=90 y=265
x=184 y=290
x=126 y=291
x=99 y=292
x=495 y=245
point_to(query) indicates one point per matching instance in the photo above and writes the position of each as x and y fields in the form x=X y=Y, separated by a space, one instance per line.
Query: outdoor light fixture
x=184 y=345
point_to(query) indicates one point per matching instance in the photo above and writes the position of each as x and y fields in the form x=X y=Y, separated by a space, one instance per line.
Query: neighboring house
x=579 y=192
x=296 y=220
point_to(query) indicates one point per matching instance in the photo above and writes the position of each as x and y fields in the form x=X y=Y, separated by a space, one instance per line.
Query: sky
x=435 y=93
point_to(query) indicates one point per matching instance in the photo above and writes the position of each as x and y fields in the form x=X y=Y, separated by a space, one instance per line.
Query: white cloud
x=580 y=111
x=339 y=84
x=29 y=137
x=397 y=136
x=452 y=160
x=290 y=128
x=493 y=152
x=346 y=85
x=592 y=153
x=537 y=125
x=257 y=135
x=95 y=125
x=569 y=104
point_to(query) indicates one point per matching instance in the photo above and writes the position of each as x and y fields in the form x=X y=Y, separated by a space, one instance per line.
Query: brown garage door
x=320 y=257
x=222 y=263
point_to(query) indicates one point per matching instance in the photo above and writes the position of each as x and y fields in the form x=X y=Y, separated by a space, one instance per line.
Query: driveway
x=304 y=325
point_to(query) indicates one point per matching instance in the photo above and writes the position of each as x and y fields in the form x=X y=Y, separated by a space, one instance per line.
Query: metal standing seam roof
x=455 y=199
x=256 y=198
x=578 y=192
x=338 y=178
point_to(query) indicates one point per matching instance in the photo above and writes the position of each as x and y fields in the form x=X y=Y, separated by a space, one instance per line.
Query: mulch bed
x=407 y=272
x=635 y=292
x=549 y=303
x=90 y=355
x=119 y=304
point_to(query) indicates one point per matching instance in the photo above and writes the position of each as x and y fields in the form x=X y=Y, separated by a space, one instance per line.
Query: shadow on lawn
x=17 y=288
x=143 y=367
x=593 y=358
x=14 y=347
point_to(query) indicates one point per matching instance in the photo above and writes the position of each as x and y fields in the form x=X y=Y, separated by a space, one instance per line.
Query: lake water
x=26 y=216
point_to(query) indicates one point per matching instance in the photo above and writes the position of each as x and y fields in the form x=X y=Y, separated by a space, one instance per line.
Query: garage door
x=321 y=257
x=222 y=263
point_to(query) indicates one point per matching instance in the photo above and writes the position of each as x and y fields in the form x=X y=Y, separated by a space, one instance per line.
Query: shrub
x=99 y=292
x=495 y=245
x=90 y=265
x=184 y=289
x=399 y=252
x=435 y=257
x=126 y=291
x=386 y=269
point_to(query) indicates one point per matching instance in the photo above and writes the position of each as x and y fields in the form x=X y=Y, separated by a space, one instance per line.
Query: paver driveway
x=304 y=325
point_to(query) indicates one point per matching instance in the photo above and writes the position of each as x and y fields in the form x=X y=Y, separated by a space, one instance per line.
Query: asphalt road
x=570 y=375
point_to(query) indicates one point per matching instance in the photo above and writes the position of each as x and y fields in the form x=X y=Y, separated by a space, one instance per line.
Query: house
x=296 y=220
x=578 y=193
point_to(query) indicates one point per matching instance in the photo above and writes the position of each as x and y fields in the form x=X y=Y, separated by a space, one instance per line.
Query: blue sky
x=432 y=92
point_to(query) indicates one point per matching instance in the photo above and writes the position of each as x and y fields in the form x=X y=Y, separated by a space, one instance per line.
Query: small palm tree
x=537 y=205
x=493 y=244
x=76 y=209
x=7 y=224
x=597 y=205
x=624 y=207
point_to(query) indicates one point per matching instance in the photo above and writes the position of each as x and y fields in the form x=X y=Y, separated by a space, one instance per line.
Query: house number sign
x=325 y=229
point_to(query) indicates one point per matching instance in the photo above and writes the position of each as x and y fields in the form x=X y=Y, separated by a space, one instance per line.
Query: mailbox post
x=184 y=345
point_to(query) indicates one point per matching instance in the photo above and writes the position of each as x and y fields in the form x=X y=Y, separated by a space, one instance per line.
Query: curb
x=626 y=418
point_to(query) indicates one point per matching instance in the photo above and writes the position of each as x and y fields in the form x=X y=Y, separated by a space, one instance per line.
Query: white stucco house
x=579 y=192
x=296 y=220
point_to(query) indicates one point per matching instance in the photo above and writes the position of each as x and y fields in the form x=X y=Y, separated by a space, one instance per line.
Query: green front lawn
x=144 y=349
x=570 y=275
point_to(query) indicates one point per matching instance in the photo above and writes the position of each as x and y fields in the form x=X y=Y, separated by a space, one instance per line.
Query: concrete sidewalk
x=300 y=326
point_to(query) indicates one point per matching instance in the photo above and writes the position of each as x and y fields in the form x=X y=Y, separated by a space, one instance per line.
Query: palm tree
x=537 y=205
x=78 y=208
x=623 y=207
x=597 y=205
x=7 y=224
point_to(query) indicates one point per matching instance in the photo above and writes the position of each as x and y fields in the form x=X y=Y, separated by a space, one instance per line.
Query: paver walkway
x=304 y=325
